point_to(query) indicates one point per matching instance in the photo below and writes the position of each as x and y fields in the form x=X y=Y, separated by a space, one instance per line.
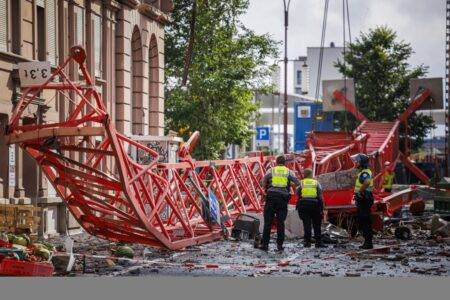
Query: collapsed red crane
x=115 y=197
x=331 y=151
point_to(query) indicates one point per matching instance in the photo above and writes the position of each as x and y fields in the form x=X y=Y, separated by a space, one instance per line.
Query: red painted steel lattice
x=160 y=204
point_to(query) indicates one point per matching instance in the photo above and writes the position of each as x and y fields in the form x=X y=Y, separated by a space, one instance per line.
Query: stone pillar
x=109 y=67
x=145 y=80
x=19 y=191
x=123 y=71
x=2 y=189
x=4 y=161
x=42 y=180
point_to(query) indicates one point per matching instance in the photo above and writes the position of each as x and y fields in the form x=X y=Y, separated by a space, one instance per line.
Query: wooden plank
x=15 y=138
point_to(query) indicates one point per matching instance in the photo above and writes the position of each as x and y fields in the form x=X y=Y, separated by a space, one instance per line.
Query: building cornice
x=153 y=13
x=130 y=3
x=112 y=5
x=12 y=57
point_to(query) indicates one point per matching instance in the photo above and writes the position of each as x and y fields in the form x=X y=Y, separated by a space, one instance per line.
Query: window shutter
x=3 y=26
x=51 y=31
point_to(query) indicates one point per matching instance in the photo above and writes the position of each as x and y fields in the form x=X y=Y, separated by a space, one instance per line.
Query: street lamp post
x=285 y=133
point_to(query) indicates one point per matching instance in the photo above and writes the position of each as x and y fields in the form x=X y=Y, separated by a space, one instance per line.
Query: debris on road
x=404 y=248
x=419 y=256
x=333 y=234
x=403 y=233
x=436 y=224
x=123 y=251
x=20 y=257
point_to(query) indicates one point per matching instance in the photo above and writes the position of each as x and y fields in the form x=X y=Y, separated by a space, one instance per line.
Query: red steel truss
x=160 y=204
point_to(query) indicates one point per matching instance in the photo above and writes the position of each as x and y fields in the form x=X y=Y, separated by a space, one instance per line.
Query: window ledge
x=100 y=80
x=13 y=57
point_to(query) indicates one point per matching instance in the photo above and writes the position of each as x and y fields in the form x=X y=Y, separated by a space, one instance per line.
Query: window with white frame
x=3 y=25
x=51 y=24
x=98 y=38
x=299 y=77
x=79 y=26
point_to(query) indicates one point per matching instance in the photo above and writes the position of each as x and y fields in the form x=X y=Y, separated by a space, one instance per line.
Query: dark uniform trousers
x=364 y=204
x=310 y=213
x=276 y=206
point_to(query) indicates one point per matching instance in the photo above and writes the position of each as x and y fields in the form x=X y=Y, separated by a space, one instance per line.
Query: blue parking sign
x=262 y=133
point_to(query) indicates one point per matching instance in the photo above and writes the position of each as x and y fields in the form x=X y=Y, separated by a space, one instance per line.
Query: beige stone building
x=124 y=41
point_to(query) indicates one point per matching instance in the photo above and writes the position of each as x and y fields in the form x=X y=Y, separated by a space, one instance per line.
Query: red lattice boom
x=160 y=204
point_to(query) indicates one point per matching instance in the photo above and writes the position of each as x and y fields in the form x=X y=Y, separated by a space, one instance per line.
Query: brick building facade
x=124 y=41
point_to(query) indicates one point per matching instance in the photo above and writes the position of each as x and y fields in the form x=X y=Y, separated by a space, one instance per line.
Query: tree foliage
x=229 y=63
x=378 y=63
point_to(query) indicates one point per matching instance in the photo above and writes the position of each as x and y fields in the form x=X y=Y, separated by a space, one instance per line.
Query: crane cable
x=345 y=76
x=345 y=18
x=319 y=69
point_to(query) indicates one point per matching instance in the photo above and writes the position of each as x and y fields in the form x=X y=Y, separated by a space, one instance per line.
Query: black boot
x=280 y=248
x=366 y=245
x=307 y=244
x=320 y=244
x=264 y=248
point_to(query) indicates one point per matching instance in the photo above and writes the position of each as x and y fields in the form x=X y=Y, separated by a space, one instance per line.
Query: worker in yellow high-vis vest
x=310 y=208
x=388 y=177
x=364 y=198
x=277 y=182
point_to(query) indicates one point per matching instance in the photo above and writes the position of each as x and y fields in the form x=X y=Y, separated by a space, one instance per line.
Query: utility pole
x=447 y=88
x=286 y=23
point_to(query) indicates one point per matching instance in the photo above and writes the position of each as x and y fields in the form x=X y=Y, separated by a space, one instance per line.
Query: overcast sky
x=419 y=22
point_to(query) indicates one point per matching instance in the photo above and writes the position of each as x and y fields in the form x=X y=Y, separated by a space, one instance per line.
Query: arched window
x=137 y=95
x=154 y=82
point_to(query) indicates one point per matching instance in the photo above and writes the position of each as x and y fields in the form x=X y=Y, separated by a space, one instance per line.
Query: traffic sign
x=231 y=151
x=262 y=136
x=262 y=133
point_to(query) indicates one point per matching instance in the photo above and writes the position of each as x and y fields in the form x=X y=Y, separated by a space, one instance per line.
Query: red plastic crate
x=4 y=244
x=10 y=267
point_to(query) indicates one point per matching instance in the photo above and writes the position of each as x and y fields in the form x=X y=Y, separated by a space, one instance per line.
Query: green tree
x=226 y=63
x=378 y=63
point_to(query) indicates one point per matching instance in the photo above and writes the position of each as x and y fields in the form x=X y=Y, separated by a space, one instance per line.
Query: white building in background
x=329 y=71
x=276 y=79
x=303 y=70
x=301 y=76
x=271 y=115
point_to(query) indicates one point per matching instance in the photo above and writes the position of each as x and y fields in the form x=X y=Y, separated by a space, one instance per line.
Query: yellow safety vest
x=280 y=176
x=359 y=184
x=309 y=188
x=388 y=179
